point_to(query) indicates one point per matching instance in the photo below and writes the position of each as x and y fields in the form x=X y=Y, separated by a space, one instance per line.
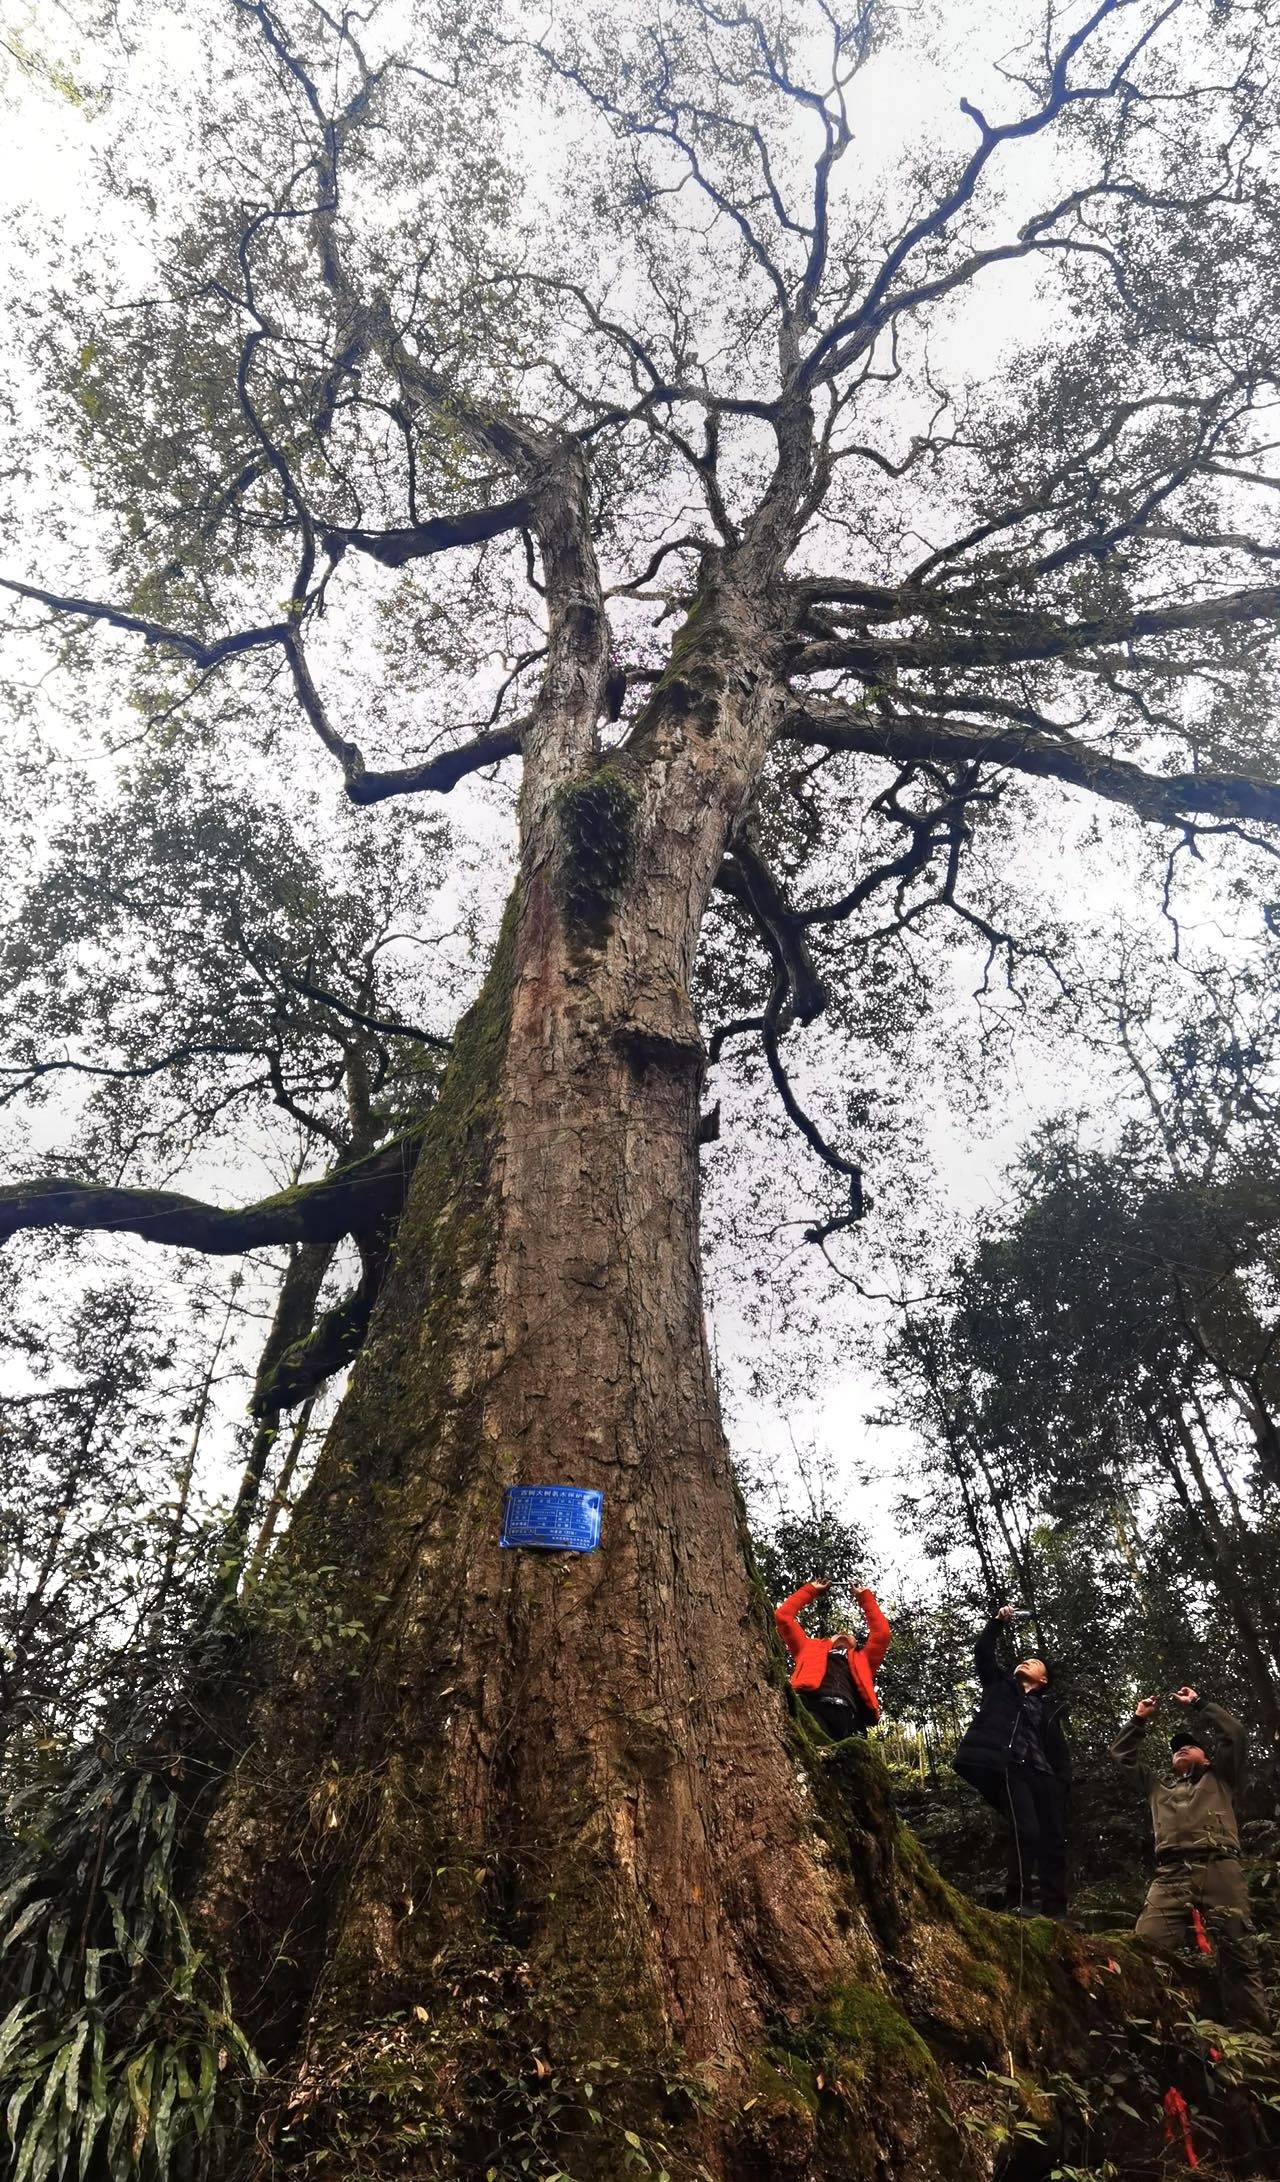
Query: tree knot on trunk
x=659 y=1030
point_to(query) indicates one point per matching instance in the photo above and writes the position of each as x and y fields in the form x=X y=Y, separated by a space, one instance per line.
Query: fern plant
x=120 y=2059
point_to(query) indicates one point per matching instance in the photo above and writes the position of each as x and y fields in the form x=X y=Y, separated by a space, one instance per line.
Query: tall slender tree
x=1066 y=1378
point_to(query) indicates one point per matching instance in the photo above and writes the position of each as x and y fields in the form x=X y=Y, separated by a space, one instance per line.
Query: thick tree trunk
x=584 y=1758
x=514 y=1842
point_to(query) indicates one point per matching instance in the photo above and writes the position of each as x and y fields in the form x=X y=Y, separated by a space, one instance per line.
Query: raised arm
x=1233 y=1740
x=787 y=1615
x=985 y=1657
x=1128 y=1749
x=879 y=1634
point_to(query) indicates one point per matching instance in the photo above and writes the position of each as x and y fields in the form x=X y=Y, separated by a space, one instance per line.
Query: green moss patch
x=778 y=2132
x=597 y=821
x=870 y=2032
x=849 y=2087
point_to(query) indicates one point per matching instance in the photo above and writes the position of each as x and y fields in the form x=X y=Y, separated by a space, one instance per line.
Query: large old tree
x=609 y=397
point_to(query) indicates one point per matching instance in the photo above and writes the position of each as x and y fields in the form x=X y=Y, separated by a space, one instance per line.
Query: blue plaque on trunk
x=558 y=1518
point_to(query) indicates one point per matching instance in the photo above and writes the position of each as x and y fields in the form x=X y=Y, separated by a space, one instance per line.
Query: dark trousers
x=840 y=1721
x=1033 y=1806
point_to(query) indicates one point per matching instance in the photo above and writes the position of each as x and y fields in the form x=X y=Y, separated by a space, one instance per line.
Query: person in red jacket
x=835 y=1678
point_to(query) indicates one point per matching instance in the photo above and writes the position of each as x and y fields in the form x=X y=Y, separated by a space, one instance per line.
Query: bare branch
x=812 y=1135
x=383 y=1026
x=745 y=875
x=440 y=533
x=850 y=333
x=202 y=651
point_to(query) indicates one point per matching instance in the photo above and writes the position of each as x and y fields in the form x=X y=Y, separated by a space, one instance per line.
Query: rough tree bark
x=541 y=1816
x=602 y=1739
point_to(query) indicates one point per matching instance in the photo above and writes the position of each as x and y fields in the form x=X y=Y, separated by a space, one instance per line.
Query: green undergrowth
x=119 y=2053
x=496 y=2080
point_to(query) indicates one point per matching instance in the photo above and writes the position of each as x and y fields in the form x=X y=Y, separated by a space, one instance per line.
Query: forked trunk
x=578 y=1759
x=519 y=1841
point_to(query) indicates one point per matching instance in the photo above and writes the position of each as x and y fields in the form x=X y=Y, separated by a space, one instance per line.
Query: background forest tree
x=865 y=547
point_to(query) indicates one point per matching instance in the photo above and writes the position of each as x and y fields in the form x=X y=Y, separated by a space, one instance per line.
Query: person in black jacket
x=1015 y=1754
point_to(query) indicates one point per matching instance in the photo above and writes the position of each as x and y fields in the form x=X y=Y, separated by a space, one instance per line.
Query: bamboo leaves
x=119 y=2057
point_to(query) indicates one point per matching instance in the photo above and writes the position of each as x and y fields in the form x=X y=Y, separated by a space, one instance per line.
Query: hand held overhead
x=1199 y=1885
x=1015 y=1754
x=834 y=1676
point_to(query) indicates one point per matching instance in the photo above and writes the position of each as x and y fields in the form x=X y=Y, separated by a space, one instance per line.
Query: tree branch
x=837 y=345
x=1014 y=637
x=440 y=773
x=334 y=1341
x=746 y=877
x=202 y=652
x=1163 y=799
x=351 y=1199
x=386 y=1026
x=417 y=541
x=812 y=1135
x=798 y=994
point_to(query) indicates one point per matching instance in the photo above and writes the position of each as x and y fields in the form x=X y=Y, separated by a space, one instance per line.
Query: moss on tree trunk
x=525 y=1857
